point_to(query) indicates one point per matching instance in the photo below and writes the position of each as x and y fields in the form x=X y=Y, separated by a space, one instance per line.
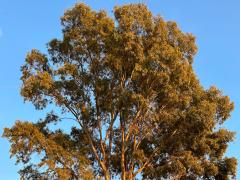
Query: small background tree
x=129 y=84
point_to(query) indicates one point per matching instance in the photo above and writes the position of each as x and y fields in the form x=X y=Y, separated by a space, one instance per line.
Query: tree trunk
x=122 y=163
x=107 y=176
x=130 y=176
x=123 y=175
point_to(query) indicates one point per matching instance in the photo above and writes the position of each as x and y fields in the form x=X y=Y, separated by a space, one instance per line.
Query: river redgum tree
x=128 y=87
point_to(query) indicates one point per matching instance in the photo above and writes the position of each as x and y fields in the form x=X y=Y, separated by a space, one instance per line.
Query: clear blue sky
x=31 y=24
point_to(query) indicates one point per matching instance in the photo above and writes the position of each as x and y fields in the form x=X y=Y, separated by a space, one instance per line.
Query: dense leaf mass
x=129 y=83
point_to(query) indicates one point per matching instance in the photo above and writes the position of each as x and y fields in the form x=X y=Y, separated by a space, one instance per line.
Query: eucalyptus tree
x=135 y=104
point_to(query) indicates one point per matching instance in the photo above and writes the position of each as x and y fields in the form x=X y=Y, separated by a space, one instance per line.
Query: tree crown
x=129 y=84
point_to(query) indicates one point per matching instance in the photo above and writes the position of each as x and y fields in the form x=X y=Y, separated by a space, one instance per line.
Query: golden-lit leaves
x=27 y=139
x=36 y=58
x=133 y=18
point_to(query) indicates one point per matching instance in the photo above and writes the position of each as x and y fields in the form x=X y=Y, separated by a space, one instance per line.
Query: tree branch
x=148 y=161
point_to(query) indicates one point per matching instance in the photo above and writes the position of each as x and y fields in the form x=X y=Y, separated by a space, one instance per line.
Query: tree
x=129 y=84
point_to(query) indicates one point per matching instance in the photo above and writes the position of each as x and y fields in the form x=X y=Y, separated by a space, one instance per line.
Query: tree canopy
x=128 y=87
